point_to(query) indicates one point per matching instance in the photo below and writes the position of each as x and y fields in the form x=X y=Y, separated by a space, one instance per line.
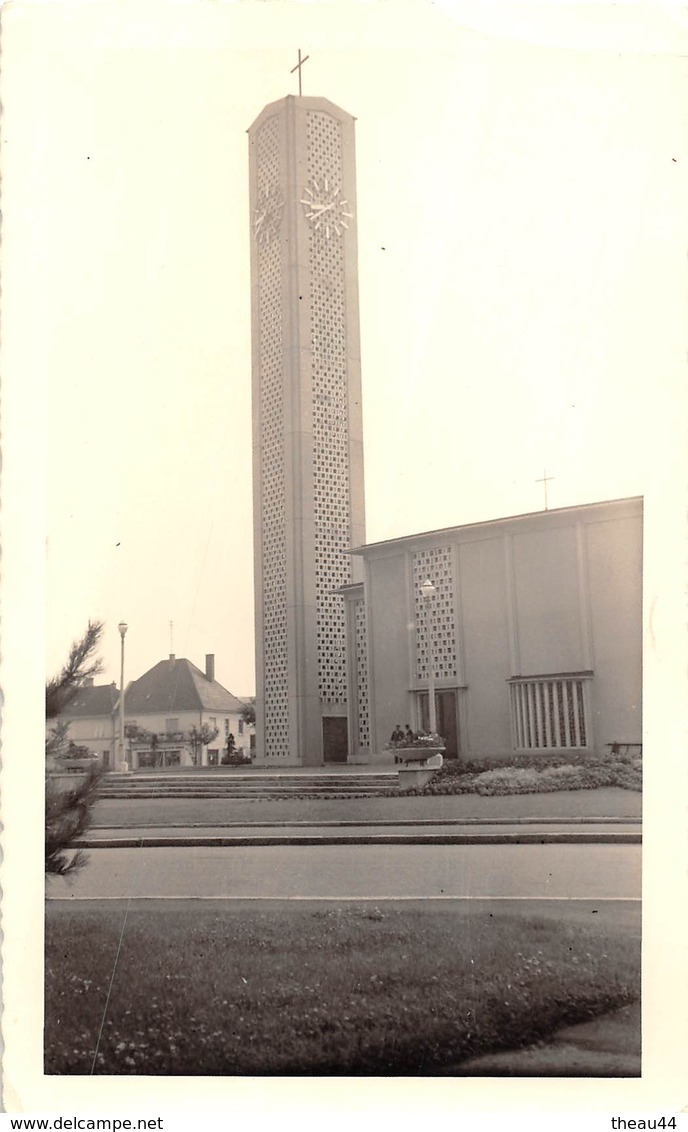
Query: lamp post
x=428 y=592
x=123 y=757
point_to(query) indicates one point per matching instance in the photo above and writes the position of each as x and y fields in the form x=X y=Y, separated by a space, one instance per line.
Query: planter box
x=419 y=755
x=421 y=765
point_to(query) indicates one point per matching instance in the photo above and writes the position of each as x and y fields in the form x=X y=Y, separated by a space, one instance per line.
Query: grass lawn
x=148 y=812
x=211 y=988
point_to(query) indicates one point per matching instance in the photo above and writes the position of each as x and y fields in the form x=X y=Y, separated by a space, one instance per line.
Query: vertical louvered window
x=550 y=711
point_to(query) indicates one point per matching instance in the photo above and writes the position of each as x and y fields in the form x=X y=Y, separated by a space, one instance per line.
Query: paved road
x=360 y=871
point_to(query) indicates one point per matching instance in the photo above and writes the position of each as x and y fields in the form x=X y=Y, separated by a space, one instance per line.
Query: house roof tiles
x=177 y=685
x=93 y=699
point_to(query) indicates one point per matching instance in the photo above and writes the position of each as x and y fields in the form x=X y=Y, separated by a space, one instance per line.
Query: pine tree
x=68 y=812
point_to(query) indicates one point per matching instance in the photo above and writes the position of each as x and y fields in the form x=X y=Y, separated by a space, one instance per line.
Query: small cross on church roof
x=544 y=479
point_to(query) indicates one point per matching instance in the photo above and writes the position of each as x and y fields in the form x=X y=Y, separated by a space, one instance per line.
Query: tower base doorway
x=335 y=738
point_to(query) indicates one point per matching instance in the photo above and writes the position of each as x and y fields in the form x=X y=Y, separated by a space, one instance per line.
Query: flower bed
x=420 y=741
x=532 y=774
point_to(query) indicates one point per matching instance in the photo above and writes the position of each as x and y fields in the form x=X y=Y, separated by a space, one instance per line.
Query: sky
x=521 y=197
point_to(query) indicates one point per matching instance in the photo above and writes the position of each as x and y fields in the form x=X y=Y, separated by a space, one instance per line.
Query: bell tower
x=308 y=494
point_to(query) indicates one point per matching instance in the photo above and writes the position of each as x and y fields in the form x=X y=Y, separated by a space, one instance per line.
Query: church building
x=527 y=630
x=524 y=632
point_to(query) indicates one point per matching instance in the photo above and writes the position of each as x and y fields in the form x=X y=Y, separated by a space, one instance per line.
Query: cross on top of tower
x=298 y=67
x=544 y=479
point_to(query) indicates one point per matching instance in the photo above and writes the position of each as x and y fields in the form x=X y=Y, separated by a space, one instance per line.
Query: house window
x=550 y=711
x=171 y=726
x=241 y=726
x=226 y=728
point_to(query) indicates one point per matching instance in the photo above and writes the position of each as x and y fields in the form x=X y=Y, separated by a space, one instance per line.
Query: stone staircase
x=252 y=785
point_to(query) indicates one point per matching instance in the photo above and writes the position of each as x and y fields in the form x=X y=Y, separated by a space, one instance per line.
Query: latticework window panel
x=435 y=616
x=274 y=580
x=362 y=674
x=331 y=493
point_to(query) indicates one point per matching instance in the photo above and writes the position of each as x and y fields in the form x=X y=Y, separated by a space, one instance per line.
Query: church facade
x=533 y=630
x=307 y=423
x=531 y=638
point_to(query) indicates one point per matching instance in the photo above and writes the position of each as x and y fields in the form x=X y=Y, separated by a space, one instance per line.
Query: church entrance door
x=447 y=720
x=335 y=738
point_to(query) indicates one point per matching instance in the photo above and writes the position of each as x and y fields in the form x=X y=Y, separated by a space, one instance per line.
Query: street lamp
x=123 y=757
x=428 y=592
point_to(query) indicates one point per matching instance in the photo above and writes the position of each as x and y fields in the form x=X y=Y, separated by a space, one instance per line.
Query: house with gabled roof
x=167 y=709
x=90 y=719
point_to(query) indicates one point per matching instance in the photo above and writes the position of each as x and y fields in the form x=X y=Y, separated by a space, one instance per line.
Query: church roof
x=632 y=504
x=178 y=685
x=90 y=700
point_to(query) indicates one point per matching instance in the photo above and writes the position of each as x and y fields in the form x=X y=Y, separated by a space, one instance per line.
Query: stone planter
x=416 y=754
x=421 y=763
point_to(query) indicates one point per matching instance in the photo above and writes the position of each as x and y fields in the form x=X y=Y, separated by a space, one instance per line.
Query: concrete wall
x=389 y=644
x=546 y=594
x=485 y=637
x=547 y=601
x=614 y=568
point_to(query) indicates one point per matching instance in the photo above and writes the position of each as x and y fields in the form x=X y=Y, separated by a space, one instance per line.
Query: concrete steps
x=263 y=785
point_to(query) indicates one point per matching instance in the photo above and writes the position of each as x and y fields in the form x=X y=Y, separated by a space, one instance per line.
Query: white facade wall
x=555 y=595
x=96 y=733
x=225 y=722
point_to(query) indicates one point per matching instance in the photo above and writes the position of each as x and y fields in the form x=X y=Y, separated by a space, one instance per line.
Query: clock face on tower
x=267 y=214
x=326 y=209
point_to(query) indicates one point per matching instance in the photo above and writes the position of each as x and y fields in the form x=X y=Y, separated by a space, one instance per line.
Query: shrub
x=235 y=759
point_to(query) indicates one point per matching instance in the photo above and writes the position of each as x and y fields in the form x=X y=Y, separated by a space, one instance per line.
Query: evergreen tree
x=82 y=664
x=68 y=812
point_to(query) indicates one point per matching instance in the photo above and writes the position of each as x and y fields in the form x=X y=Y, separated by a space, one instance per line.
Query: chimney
x=210 y=666
x=172 y=656
x=88 y=682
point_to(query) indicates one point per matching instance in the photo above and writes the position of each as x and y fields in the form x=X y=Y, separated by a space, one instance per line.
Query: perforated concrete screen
x=435 y=616
x=308 y=474
x=273 y=580
x=330 y=415
x=362 y=675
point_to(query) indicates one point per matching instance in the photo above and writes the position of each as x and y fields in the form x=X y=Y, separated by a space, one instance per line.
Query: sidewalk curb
x=411 y=822
x=239 y=840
